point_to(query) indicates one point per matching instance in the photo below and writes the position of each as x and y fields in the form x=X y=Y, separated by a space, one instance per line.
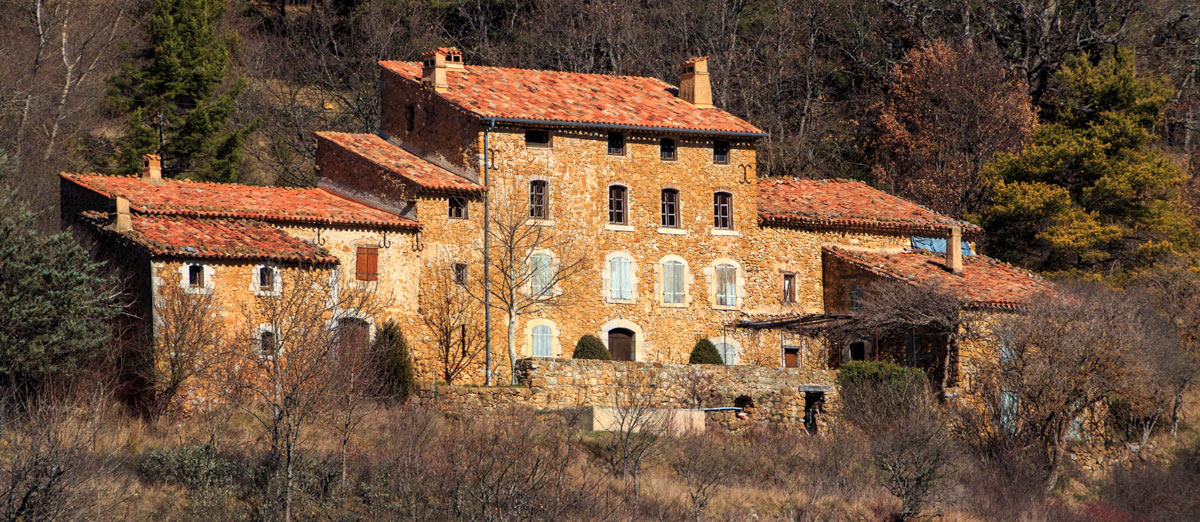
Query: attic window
x=721 y=152
x=616 y=144
x=537 y=138
x=666 y=148
x=460 y=274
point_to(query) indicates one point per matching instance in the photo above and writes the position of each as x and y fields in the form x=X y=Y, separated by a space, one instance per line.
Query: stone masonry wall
x=554 y=384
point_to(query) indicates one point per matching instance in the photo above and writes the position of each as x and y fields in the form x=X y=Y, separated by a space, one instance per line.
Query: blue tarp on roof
x=938 y=245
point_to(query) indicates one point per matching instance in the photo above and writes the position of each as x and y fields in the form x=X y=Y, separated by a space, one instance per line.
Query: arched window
x=541 y=276
x=268 y=343
x=674 y=290
x=539 y=203
x=620 y=278
x=729 y=353
x=726 y=290
x=723 y=211
x=543 y=337
x=618 y=205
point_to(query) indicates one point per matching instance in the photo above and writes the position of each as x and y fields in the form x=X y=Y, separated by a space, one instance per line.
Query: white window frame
x=608 y=278
x=736 y=348
x=258 y=333
x=739 y=284
x=256 y=281
x=554 y=290
x=209 y=276
x=660 y=287
x=555 y=345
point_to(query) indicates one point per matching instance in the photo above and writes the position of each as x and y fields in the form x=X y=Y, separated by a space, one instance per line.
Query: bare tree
x=637 y=429
x=282 y=372
x=354 y=384
x=189 y=340
x=1173 y=288
x=704 y=464
x=453 y=318
x=528 y=263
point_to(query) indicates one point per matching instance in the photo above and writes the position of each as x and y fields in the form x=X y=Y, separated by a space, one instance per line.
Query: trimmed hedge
x=589 y=347
x=705 y=353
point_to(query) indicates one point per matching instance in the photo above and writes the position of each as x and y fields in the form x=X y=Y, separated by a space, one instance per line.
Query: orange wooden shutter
x=367 y=263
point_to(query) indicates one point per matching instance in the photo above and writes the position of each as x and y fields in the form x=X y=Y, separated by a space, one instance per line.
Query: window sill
x=673 y=231
x=618 y=228
x=725 y=232
x=539 y=222
x=266 y=293
x=726 y=307
x=672 y=305
x=610 y=300
x=197 y=290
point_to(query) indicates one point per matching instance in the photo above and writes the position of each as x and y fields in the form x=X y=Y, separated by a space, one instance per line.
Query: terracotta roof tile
x=227 y=200
x=227 y=239
x=983 y=282
x=559 y=96
x=845 y=204
x=407 y=165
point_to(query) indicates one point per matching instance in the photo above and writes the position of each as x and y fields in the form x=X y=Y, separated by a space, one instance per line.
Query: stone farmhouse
x=648 y=183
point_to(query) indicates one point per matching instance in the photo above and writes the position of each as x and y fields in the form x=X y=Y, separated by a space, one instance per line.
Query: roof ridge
x=468 y=67
x=190 y=182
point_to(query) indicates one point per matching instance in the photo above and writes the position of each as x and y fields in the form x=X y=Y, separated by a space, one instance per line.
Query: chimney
x=124 y=221
x=435 y=64
x=954 y=250
x=694 y=86
x=152 y=169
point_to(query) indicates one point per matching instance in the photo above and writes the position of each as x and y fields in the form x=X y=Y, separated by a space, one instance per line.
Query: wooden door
x=620 y=344
x=790 y=358
x=354 y=335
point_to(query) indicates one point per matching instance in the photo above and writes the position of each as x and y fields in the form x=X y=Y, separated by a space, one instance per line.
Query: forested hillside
x=959 y=105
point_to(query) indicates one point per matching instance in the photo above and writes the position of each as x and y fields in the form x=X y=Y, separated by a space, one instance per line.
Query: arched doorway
x=858 y=351
x=353 y=335
x=621 y=344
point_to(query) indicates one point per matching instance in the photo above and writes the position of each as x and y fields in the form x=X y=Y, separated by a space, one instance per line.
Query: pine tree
x=184 y=91
x=55 y=303
x=393 y=362
x=1092 y=193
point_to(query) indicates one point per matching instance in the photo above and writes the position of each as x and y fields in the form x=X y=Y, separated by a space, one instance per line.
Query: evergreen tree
x=705 y=352
x=394 y=363
x=185 y=91
x=590 y=347
x=1092 y=192
x=55 y=304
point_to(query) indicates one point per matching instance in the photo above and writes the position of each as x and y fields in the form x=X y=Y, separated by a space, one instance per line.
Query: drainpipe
x=487 y=259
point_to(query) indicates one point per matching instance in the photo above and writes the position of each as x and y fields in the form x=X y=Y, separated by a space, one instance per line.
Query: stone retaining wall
x=771 y=394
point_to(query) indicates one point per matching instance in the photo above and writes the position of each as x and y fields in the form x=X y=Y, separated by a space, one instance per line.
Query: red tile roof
x=225 y=239
x=845 y=204
x=431 y=178
x=226 y=200
x=983 y=282
x=556 y=96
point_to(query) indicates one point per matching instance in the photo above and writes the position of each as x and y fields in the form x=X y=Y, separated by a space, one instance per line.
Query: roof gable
x=395 y=160
x=566 y=97
x=845 y=204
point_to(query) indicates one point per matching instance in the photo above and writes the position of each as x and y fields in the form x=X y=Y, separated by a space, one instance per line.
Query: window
x=543 y=338
x=616 y=144
x=458 y=208
x=367 y=263
x=353 y=335
x=723 y=211
x=670 y=208
x=726 y=285
x=721 y=152
x=674 y=290
x=620 y=279
x=856 y=298
x=666 y=149
x=196 y=276
x=728 y=352
x=540 y=274
x=460 y=274
x=268 y=343
x=789 y=288
x=410 y=118
x=538 y=207
x=266 y=279
x=618 y=205
x=537 y=138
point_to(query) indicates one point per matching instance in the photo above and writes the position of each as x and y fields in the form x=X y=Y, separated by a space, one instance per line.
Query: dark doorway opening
x=621 y=344
x=858 y=351
x=791 y=356
x=814 y=402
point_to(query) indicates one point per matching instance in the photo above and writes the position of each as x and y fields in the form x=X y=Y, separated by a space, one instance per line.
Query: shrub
x=858 y=373
x=394 y=362
x=589 y=347
x=705 y=353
